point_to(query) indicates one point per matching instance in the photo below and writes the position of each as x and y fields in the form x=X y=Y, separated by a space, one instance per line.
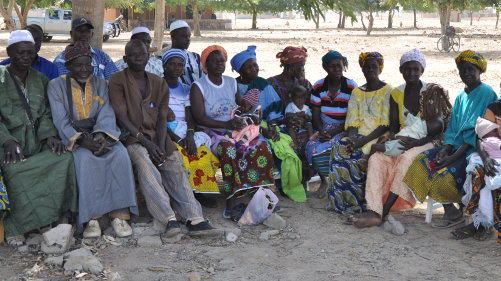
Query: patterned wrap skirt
x=245 y=168
x=444 y=186
x=346 y=178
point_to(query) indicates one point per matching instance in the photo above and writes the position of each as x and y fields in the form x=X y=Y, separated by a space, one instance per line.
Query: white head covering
x=140 y=29
x=484 y=126
x=413 y=55
x=178 y=24
x=17 y=36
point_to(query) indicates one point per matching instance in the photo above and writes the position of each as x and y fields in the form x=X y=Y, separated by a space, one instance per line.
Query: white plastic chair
x=432 y=206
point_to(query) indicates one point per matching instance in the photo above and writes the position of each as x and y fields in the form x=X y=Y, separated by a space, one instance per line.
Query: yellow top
x=369 y=110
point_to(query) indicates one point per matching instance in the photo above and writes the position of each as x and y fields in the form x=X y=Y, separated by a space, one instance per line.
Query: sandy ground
x=316 y=245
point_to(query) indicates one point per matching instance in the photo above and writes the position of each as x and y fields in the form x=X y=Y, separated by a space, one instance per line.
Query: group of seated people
x=77 y=135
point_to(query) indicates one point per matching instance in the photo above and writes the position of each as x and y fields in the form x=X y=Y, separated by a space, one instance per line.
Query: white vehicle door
x=66 y=23
x=53 y=22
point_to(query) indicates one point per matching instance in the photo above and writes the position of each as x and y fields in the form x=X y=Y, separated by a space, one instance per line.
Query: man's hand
x=87 y=141
x=56 y=145
x=155 y=152
x=12 y=152
x=100 y=139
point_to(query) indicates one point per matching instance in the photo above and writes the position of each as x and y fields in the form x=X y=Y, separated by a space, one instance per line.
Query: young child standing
x=299 y=126
x=298 y=117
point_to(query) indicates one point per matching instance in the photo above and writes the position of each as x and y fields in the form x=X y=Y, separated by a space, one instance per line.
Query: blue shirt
x=467 y=108
x=42 y=65
x=103 y=66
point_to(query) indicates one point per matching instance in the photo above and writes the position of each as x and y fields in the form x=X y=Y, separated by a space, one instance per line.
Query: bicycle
x=449 y=41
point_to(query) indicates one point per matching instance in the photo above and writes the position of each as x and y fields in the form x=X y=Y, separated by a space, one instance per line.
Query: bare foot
x=369 y=219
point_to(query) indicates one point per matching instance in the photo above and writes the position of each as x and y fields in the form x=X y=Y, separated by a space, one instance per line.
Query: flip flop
x=461 y=234
x=349 y=220
x=482 y=235
x=448 y=223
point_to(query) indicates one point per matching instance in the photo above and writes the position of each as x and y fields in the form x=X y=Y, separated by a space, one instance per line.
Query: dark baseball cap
x=81 y=22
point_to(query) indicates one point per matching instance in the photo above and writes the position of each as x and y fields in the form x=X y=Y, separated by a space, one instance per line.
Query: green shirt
x=14 y=122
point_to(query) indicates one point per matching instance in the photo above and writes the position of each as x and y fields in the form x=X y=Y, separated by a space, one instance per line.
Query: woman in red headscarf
x=292 y=59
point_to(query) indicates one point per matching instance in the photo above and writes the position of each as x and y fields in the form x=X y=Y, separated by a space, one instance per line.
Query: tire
x=440 y=43
x=456 y=43
x=106 y=38
x=47 y=38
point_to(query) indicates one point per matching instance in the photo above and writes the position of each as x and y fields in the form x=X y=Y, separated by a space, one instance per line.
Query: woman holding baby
x=245 y=156
x=418 y=114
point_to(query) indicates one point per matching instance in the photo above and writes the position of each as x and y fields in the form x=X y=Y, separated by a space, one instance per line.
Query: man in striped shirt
x=180 y=34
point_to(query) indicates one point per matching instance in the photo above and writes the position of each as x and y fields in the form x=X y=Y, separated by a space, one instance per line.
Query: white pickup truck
x=55 y=21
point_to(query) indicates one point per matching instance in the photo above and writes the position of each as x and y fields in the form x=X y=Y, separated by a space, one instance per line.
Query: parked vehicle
x=55 y=21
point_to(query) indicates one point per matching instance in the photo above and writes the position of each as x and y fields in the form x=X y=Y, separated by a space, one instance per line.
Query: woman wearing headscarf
x=384 y=187
x=329 y=104
x=440 y=172
x=86 y=122
x=367 y=120
x=193 y=145
x=254 y=90
x=246 y=166
x=292 y=59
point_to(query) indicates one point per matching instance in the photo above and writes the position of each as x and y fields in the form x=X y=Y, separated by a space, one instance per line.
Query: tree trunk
x=471 y=17
x=343 y=21
x=371 y=23
x=316 y=20
x=6 y=13
x=362 y=21
x=390 y=18
x=196 y=20
x=497 y=18
x=23 y=13
x=339 y=19
x=444 y=11
x=159 y=25
x=415 y=18
x=254 y=19
x=93 y=10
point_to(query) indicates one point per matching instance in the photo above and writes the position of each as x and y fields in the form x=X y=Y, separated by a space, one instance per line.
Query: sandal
x=464 y=232
x=444 y=223
x=350 y=220
x=483 y=234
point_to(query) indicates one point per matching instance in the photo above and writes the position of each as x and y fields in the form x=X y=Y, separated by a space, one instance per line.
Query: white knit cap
x=484 y=126
x=413 y=55
x=140 y=29
x=178 y=24
x=17 y=36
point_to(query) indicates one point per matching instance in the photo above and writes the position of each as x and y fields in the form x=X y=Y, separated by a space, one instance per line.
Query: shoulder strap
x=69 y=96
x=22 y=97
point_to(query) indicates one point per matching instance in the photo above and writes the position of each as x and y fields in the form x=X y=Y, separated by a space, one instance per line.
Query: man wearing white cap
x=41 y=64
x=154 y=65
x=39 y=176
x=180 y=34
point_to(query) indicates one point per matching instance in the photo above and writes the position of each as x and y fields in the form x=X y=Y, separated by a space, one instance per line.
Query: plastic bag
x=260 y=207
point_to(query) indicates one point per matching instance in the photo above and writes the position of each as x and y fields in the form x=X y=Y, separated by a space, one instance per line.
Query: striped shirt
x=333 y=106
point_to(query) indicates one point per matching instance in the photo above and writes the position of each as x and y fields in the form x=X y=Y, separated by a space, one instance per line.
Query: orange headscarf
x=205 y=54
x=291 y=55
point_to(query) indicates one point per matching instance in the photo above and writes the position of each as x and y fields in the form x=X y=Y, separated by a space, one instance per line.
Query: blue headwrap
x=174 y=53
x=239 y=59
x=334 y=55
